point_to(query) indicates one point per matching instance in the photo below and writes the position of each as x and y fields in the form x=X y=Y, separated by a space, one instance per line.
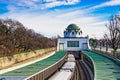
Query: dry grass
x=27 y=60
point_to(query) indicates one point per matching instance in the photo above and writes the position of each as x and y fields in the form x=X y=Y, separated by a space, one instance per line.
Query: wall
x=89 y=67
x=9 y=60
x=81 y=41
x=47 y=72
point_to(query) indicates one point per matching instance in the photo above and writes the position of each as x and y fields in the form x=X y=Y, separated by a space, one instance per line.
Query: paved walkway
x=104 y=49
x=105 y=69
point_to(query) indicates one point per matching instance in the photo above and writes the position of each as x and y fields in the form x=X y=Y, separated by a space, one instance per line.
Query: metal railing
x=44 y=74
x=89 y=67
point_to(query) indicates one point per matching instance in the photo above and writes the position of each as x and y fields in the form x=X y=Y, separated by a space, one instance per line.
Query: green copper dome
x=73 y=27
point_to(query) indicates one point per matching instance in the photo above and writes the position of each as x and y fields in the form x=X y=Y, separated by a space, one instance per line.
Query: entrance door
x=85 y=46
x=61 y=46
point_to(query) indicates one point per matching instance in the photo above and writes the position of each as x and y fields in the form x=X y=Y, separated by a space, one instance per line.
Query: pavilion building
x=73 y=40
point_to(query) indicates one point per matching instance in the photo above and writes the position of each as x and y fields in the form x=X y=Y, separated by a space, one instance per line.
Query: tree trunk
x=114 y=53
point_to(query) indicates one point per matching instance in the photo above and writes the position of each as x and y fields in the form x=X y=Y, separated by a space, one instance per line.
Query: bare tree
x=113 y=35
x=14 y=37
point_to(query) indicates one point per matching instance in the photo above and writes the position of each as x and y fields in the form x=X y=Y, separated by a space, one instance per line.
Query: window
x=66 y=33
x=72 y=33
x=85 y=46
x=72 y=43
x=61 y=46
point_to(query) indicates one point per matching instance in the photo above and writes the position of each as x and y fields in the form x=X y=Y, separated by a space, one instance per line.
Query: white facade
x=72 y=40
x=72 y=34
x=63 y=44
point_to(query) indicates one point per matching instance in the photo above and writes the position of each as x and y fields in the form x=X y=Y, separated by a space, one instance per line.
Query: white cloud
x=71 y=2
x=108 y=3
x=54 y=3
x=38 y=4
x=72 y=14
x=50 y=0
x=53 y=23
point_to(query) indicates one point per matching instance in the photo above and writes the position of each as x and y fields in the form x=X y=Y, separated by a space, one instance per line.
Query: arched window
x=72 y=33
x=66 y=33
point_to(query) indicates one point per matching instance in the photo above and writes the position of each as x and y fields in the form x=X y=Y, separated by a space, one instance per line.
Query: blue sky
x=51 y=17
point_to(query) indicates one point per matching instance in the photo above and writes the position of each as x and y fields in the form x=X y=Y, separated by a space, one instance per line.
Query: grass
x=36 y=67
x=21 y=52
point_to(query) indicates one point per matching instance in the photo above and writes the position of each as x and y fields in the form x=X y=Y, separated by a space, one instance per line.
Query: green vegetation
x=93 y=42
x=36 y=67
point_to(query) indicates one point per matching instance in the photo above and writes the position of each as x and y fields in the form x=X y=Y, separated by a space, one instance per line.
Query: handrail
x=45 y=73
x=90 y=72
